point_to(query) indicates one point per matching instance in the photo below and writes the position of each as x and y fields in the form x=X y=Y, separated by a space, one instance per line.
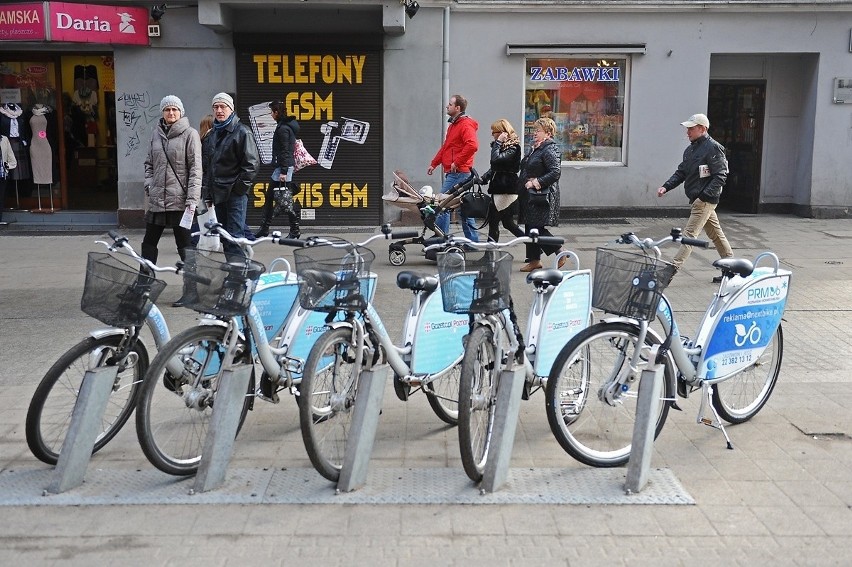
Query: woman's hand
x=502 y=137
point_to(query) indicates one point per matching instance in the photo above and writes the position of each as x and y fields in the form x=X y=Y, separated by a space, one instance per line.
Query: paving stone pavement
x=781 y=496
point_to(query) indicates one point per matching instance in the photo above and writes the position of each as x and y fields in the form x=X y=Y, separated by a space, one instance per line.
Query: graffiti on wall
x=134 y=112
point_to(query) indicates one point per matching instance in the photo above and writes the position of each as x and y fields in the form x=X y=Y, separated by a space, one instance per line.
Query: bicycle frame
x=432 y=344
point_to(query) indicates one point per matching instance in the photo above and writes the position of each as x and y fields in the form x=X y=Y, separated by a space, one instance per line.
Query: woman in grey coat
x=172 y=177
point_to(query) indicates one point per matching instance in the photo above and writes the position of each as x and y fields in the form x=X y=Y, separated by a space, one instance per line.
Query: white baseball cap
x=696 y=120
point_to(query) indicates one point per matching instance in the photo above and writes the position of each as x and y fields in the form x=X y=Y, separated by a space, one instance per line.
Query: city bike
x=734 y=357
x=476 y=283
x=250 y=318
x=428 y=357
x=120 y=296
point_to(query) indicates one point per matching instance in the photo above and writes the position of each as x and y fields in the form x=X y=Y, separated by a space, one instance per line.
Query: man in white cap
x=703 y=172
x=232 y=165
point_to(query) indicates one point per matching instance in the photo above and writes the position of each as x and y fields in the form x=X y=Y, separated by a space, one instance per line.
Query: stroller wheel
x=396 y=256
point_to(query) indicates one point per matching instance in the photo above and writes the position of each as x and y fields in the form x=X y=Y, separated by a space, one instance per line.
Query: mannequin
x=41 y=154
x=17 y=130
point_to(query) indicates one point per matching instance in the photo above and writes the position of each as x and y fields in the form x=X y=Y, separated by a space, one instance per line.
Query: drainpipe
x=445 y=67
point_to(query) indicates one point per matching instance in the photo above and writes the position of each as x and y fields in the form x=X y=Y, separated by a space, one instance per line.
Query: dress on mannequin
x=41 y=154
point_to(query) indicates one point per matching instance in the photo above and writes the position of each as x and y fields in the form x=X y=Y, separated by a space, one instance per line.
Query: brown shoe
x=531 y=265
x=562 y=261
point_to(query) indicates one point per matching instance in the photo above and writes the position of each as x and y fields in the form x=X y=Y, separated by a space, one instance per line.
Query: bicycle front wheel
x=327 y=399
x=52 y=404
x=593 y=431
x=477 y=400
x=174 y=411
x=740 y=397
x=443 y=395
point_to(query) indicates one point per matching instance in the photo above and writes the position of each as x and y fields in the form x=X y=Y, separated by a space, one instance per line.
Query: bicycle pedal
x=527 y=391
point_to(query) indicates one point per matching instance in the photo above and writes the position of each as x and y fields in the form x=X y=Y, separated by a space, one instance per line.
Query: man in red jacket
x=456 y=157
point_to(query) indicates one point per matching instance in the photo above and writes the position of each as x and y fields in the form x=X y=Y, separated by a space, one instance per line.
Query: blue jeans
x=232 y=214
x=442 y=221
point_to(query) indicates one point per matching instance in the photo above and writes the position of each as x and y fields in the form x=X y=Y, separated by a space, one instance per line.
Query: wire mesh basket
x=475 y=281
x=118 y=294
x=219 y=284
x=629 y=284
x=333 y=278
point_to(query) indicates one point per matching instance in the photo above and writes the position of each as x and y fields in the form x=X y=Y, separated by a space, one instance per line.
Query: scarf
x=219 y=125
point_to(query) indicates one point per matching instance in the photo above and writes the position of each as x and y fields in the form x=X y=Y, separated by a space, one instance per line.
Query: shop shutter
x=335 y=93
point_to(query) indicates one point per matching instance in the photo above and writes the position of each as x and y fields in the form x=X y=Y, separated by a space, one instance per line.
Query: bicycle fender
x=106 y=332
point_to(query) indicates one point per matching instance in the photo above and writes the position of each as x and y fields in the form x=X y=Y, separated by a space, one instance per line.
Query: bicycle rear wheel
x=443 y=395
x=477 y=400
x=52 y=404
x=591 y=430
x=174 y=411
x=326 y=400
x=740 y=397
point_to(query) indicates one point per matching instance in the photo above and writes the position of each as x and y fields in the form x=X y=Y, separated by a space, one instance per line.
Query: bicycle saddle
x=319 y=279
x=416 y=281
x=730 y=266
x=545 y=277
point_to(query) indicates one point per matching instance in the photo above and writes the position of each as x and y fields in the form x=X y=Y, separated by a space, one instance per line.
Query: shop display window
x=585 y=96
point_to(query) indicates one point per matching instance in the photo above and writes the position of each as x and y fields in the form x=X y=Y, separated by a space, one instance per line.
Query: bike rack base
x=224 y=423
x=83 y=431
x=365 y=421
x=647 y=410
x=509 y=393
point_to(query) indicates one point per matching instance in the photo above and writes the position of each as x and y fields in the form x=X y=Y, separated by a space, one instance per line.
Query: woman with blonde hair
x=502 y=179
x=540 y=172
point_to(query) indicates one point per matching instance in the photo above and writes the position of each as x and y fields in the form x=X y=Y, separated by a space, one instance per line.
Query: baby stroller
x=429 y=206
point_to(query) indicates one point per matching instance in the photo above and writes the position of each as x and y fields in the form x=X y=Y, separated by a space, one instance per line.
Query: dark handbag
x=282 y=196
x=538 y=198
x=475 y=204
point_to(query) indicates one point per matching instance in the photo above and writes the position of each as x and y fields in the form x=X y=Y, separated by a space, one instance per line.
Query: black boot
x=263 y=230
x=294 y=227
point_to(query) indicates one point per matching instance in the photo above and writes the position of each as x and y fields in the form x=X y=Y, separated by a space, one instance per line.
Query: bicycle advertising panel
x=746 y=326
x=437 y=341
x=566 y=314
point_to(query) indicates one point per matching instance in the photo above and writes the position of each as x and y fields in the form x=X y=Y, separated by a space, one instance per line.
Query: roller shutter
x=335 y=93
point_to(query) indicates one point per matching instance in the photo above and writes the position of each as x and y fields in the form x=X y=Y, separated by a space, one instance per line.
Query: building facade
x=369 y=84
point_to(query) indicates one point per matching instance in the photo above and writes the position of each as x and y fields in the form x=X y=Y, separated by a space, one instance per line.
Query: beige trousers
x=703 y=215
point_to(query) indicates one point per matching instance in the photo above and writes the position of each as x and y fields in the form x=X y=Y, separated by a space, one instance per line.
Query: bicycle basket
x=333 y=278
x=219 y=284
x=629 y=284
x=117 y=294
x=475 y=281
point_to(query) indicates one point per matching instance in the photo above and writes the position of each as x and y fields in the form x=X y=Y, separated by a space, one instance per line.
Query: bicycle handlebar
x=123 y=242
x=532 y=238
x=676 y=235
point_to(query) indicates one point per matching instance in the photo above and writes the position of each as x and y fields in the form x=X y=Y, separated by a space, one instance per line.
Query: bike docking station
x=224 y=423
x=509 y=395
x=84 y=428
x=647 y=408
x=365 y=422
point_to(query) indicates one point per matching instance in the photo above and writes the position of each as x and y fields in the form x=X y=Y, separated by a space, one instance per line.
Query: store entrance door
x=735 y=110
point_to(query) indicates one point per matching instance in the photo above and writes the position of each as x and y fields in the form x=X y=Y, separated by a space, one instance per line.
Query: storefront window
x=585 y=96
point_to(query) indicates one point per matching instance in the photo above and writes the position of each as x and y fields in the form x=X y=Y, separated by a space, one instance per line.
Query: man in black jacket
x=703 y=172
x=231 y=169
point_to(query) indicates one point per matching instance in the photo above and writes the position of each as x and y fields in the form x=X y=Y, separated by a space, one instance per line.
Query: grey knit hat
x=171 y=100
x=224 y=98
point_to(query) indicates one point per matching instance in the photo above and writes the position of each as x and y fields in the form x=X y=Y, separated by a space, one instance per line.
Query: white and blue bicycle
x=734 y=357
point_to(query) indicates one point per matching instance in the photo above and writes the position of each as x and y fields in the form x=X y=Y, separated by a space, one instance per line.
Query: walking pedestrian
x=540 y=172
x=703 y=172
x=283 y=150
x=456 y=159
x=502 y=179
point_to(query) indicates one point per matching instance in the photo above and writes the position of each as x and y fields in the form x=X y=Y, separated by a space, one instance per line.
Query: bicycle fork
x=627 y=370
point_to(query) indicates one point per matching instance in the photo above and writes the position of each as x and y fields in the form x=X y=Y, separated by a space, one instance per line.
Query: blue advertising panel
x=438 y=338
x=566 y=314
